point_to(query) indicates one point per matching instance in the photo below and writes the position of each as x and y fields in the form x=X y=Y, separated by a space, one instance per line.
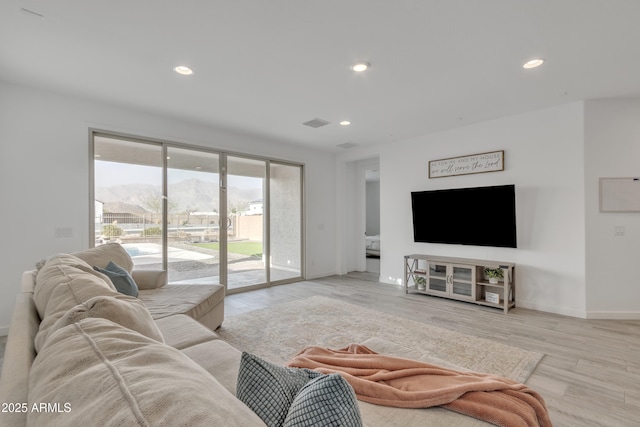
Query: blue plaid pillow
x=328 y=400
x=268 y=389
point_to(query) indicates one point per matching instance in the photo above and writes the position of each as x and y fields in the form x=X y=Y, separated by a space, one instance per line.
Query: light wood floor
x=590 y=375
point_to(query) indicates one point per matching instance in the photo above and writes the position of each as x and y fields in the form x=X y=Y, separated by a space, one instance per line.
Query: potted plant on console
x=421 y=282
x=494 y=274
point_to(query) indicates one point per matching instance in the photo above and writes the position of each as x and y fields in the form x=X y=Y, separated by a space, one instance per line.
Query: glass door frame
x=265 y=229
x=223 y=238
x=267 y=220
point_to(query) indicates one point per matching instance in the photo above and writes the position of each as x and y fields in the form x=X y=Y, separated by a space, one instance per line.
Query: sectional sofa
x=80 y=353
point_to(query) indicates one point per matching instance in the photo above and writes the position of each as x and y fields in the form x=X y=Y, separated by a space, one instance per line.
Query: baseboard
x=391 y=281
x=319 y=275
x=614 y=315
x=4 y=331
x=552 y=309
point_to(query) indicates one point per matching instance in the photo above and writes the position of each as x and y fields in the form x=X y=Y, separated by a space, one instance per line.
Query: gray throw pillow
x=268 y=389
x=120 y=278
x=328 y=400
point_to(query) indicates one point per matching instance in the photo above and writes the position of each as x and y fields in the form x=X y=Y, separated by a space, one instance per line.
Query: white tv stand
x=460 y=279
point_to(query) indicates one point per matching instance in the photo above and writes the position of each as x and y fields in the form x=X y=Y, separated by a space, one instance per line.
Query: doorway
x=372 y=220
x=363 y=238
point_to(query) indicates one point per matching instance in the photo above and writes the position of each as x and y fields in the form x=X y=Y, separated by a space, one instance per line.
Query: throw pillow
x=268 y=389
x=120 y=278
x=327 y=400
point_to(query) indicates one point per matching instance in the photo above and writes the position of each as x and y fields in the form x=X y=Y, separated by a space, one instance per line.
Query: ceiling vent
x=316 y=123
x=347 y=145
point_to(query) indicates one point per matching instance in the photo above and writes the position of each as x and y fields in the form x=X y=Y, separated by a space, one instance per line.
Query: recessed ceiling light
x=533 y=63
x=360 y=66
x=345 y=123
x=184 y=70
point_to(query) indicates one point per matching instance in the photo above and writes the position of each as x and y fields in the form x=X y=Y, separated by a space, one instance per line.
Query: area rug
x=279 y=332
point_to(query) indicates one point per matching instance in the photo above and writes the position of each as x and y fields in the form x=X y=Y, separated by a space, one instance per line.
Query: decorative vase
x=493 y=280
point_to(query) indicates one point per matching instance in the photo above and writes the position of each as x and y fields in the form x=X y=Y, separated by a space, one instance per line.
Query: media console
x=460 y=279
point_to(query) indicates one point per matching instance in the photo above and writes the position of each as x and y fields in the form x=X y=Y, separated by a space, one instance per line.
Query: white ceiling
x=265 y=67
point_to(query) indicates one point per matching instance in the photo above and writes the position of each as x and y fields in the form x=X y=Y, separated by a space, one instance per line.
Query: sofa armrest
x=28 y=283
x=18 y=357
x=149 y=279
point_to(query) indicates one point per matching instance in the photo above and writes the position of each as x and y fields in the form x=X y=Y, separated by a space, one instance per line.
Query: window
x=128 y=201
x=203 y=215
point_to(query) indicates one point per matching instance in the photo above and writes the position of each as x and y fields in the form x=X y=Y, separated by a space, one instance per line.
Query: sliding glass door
x=206 y=217
x=285 y=221
x=193 y=216
x=247 y=217
x=128 y=203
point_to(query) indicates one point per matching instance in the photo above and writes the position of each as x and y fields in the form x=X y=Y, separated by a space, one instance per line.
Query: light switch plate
x=64 y=232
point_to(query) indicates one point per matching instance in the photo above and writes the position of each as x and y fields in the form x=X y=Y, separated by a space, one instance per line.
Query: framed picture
x=492 y=161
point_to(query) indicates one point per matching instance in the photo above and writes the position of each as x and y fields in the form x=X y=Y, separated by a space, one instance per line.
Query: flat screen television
x=480 y=216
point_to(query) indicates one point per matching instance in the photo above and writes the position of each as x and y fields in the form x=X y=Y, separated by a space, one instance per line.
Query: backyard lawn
x=242 y=248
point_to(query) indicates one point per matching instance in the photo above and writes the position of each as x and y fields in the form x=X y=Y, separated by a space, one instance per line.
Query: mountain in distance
x=192 y=194
x=119 y=207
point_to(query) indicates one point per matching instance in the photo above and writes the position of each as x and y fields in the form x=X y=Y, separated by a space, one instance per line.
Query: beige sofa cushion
x=59 y=269
x=193 y=300
x=181 y=331
x=121 y=309
x=224 y=366
x=61 y=284
x=110 y=375
x=101 y=255
x=149 y=279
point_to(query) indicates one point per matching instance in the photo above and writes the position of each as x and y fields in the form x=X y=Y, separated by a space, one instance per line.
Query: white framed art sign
x=492 y=161
x=620 y=194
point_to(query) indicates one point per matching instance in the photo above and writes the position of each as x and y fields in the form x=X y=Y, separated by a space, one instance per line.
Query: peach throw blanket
x=403 y=383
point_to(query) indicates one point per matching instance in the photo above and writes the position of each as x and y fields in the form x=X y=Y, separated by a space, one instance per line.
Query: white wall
x=544 y=158
x=612 y=149
x=553 y=156
x=44 y=177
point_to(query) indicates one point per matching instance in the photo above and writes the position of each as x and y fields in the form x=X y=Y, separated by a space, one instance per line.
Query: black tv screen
x=480 y=216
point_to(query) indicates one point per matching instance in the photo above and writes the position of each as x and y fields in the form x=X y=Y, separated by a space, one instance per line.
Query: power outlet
x=619 y=230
